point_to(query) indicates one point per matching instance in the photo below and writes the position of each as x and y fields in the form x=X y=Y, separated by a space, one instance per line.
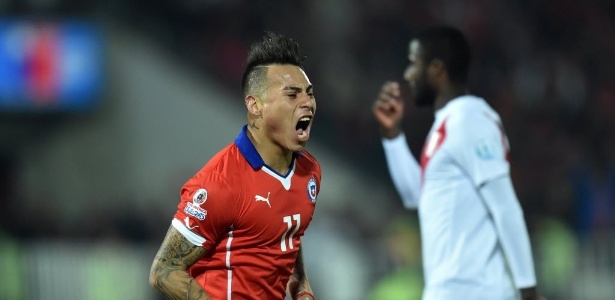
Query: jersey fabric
x=249 y=218
x=465 y=149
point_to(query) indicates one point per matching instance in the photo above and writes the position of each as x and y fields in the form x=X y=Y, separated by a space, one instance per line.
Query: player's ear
x=436 y=69
x=253 y=105
x=436 y=66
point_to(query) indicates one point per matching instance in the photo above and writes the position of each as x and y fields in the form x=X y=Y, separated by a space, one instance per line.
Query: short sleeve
x=207 y=209
x=479 y=146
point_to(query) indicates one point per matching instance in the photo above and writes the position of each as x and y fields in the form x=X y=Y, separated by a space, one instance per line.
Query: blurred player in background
x=237 y=231
x=472 y=225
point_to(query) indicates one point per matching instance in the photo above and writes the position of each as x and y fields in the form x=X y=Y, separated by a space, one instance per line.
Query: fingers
x=389 y=92
x=388 y=109
x=389 y=97
x=392 y=88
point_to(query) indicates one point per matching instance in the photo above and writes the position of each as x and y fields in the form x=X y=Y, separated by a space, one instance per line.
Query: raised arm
x=298 y=284
x=169 y=274
x=405 y=172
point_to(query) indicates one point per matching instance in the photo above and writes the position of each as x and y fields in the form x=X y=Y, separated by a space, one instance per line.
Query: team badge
x=311 y=189
x=194 y=208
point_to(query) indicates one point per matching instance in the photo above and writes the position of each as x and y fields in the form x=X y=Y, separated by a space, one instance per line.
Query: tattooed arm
x=299 y=285
x=169 y=274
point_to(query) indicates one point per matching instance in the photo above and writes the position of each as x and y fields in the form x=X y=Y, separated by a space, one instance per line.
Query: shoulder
x=307 y=155
x=308 y=159
x=222 y=168
x=472 y=121
x=472 y=116
x=227 y=162
x=308 y=166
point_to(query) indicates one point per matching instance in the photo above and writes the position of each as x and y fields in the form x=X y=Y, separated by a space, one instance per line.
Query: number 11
x=289 y=224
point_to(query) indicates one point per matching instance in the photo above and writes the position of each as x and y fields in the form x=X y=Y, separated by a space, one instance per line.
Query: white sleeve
x=404 y=170
x=477 y=145
x=502 y=203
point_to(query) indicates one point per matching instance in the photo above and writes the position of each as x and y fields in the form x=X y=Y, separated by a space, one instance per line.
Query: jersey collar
x=248 y=150
x=453 y=103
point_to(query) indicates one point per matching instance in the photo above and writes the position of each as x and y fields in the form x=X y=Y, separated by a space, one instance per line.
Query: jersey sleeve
x=207 y=209
x=403 y=169
x=479 y=146
x=500 y=198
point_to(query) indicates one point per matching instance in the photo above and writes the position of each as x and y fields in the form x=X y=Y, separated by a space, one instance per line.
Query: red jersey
x=250 y=219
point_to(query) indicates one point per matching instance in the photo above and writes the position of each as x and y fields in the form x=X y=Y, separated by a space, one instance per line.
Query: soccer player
x=471 y=223
x=237 y=230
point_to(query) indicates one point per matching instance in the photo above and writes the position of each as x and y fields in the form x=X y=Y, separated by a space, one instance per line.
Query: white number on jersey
x=289 y=225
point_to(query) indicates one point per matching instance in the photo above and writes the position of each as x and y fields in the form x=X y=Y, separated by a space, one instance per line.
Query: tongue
x=299 y=131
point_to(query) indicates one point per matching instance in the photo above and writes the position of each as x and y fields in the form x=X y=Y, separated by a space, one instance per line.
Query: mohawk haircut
x=272 y=49
x=449 y=45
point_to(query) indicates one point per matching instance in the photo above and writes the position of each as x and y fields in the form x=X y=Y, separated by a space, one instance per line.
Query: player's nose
x=308 y=104
x=308 y=107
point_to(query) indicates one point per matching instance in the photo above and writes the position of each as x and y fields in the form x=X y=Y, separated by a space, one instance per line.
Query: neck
x=272 y=154
x=448 y=93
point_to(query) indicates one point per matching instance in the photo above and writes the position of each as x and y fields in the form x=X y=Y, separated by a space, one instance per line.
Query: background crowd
x=547 y=66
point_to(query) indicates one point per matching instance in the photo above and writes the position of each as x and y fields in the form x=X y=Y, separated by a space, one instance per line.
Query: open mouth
x=302 y=127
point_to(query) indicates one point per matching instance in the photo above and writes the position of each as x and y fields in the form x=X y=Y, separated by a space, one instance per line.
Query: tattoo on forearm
x=169 y=271
x=300 y=274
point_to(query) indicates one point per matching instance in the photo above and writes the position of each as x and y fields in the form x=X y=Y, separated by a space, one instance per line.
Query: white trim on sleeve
x=192 y=237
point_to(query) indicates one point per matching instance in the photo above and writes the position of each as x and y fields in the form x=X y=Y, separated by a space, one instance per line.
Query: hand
x=530 y=294
x=389 y=109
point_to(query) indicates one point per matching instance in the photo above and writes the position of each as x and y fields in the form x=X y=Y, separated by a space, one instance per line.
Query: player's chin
x=296 y=144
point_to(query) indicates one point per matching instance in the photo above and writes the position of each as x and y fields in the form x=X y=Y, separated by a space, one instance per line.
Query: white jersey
x=463 y=256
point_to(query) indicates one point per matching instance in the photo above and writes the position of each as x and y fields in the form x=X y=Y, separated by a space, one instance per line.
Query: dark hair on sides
x=272 y=49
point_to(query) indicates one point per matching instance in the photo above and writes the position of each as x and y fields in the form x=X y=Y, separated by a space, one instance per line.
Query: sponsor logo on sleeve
x=312 y=189
x=194 y=208
x=486 y=149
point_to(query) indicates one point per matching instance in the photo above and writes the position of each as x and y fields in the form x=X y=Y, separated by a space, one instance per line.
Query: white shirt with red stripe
x=471 y=221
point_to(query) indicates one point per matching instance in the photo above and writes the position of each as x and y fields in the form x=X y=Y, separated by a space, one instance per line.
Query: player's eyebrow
x=297 y=89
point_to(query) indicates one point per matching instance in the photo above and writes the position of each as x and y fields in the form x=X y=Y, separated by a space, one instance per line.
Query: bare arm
x=169 y=274
x=299 y=282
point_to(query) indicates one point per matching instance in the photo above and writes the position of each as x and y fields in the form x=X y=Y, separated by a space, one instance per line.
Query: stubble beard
x=424 y=95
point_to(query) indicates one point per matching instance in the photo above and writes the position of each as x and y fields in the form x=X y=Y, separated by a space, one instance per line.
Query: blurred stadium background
x=107 y=107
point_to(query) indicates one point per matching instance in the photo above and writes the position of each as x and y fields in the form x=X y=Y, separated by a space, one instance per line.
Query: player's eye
x=292 y=96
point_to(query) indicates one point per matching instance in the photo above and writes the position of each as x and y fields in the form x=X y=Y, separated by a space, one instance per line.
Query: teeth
x=305 y=119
